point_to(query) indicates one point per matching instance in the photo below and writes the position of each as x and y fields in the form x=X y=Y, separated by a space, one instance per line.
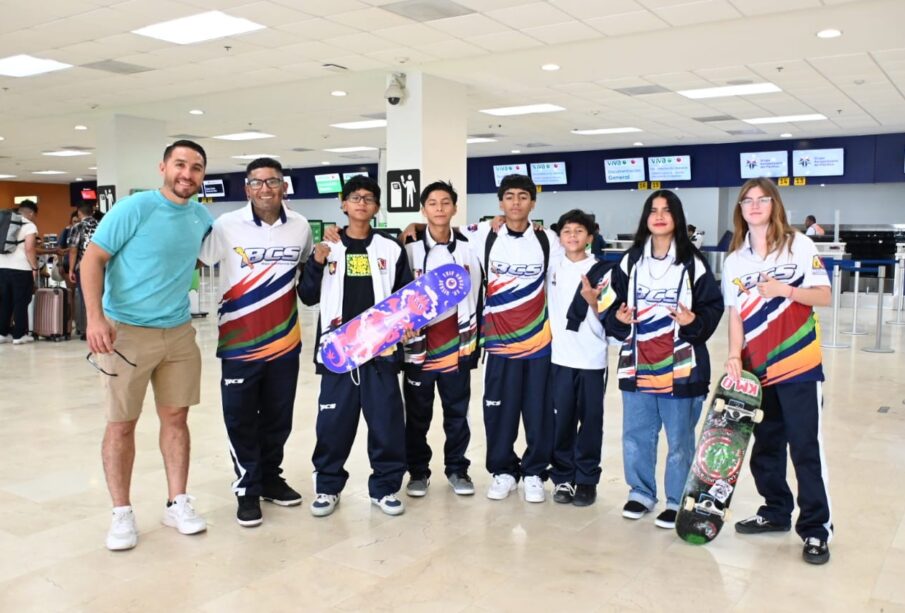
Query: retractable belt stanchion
x=897 y=287
x=837 y=287
x=878 y=343
x=855 y=331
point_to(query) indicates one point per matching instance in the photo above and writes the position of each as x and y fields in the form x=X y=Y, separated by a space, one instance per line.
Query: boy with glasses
x=260 y=249
x=347 y=278
x=140 y=261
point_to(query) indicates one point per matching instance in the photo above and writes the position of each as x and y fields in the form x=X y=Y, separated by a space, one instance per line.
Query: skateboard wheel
x=688 y=504
x=719 y=407
x=758 y=416
x=726 y=515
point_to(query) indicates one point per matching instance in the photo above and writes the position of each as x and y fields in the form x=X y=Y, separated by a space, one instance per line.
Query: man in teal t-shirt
x=140 y=261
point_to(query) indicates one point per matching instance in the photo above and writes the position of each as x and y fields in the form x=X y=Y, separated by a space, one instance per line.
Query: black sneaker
x=585 y=495
x=816 y=551
x=278 y=492
x=249 y=512
x=666 y=519
x=758 y=525
x=634 y=510
x=563 y=493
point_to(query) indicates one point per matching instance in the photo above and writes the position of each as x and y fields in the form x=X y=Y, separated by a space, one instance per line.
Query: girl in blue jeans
x=667 y=306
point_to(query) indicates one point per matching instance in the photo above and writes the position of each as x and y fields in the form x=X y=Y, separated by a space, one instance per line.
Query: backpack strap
x=545 y=247
x=488 y=244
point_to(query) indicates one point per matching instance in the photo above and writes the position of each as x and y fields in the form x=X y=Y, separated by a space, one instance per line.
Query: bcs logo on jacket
x=784 y=272
x=255 y=255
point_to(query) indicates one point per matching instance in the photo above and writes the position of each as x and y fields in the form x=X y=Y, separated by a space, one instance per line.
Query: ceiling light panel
x=360 y=125
x=27 y=66
x=527 y=109
x=730 y=90
x=350 y=149
x=594 y=131
x=197 y=28
x=249 y=135
x=785 y=119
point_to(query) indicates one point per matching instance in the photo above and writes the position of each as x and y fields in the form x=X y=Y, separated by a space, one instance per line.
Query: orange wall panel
x=53 y=202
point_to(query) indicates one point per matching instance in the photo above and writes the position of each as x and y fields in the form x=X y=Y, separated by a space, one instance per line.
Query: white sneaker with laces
x=534 y=489
x=502 y=485
x=6 y=339
x=123 y=533
x=390 y=505
x=324 y=504
x=181 y=515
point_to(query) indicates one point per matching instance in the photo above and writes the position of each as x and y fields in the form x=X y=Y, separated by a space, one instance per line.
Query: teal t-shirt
x=154 y=244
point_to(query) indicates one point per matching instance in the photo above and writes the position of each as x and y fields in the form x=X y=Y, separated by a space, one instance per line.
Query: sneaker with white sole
x=123 y=533
x=634 y=510
x=462 y=484
x=666 y=519
x=502 y=485
x=324 y=504
x=417 y=487
x=390 y=505
x=181 y=515
x=534 y=489
x=23 y=340
x=6 y=339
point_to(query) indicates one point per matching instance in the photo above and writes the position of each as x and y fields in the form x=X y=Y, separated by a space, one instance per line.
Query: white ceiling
x=274 y=79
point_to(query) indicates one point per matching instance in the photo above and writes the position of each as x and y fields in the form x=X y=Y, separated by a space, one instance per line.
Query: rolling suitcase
x=52 y=320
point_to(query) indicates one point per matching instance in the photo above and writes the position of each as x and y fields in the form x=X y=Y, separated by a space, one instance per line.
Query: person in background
x=18 y=279
x=812 y=228
x=79 y=238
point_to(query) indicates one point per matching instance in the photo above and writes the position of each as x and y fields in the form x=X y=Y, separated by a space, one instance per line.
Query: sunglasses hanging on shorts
x=109 y=374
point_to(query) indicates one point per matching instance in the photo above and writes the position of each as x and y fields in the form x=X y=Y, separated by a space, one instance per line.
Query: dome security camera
x=395 y=91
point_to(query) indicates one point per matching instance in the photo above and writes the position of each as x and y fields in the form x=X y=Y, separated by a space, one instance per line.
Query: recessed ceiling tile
x=698 y=12
x=627 y=23
x=451 y=49
x=559 y=33
x=504 y=41
x=583 y=9
x=323 y=8
x=412 y=34
x=370 y=19
x=529 y=15
x=469 y=25
x=764 y=7
x=361 y=43
x=316 y=29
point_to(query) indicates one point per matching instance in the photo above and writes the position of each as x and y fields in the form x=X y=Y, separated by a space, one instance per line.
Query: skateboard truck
x=736 y=410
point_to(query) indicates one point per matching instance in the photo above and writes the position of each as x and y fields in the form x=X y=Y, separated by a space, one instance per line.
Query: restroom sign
x=404 y=187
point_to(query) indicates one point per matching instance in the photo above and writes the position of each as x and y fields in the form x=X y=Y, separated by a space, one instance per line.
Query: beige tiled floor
x=446 y=553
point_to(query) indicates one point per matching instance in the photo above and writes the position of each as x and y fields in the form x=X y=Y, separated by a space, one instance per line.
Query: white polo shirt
x=582 y=349
x=782 y=342
x=259 y=269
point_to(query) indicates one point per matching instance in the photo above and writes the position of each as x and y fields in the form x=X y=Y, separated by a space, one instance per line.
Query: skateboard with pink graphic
x=719 y=457
x=382 y=326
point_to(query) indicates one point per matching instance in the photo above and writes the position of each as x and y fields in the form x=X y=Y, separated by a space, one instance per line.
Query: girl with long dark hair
x=668 y=304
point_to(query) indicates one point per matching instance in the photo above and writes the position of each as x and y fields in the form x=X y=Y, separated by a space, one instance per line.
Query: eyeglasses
x=356 y=198
x=272 y=183
x=763 y=201
x=109 y=374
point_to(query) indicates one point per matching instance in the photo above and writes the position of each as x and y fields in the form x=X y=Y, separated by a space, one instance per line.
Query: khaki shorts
x=167 y=357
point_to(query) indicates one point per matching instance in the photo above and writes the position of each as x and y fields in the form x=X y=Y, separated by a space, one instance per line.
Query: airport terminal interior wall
x=709 y=208
x=53 y=202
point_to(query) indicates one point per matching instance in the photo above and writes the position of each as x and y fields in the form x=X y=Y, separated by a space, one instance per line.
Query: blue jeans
x=642 y=416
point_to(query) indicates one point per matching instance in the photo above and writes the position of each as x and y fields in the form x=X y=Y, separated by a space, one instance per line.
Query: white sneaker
x=181 y=515
x=390 y=505
x=123 y=533
x=324 y=504
x=6 y=339
x=23 y=340
x=534 y=489
x=501 y=486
